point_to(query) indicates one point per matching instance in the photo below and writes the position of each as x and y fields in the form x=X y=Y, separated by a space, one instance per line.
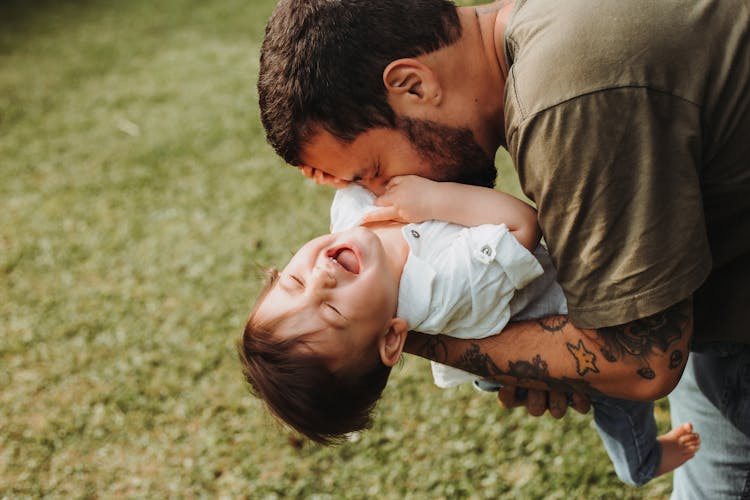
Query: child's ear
x=410 y=83
x=391 y=344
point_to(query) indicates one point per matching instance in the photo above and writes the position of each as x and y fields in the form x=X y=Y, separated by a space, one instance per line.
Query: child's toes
x=689 y=442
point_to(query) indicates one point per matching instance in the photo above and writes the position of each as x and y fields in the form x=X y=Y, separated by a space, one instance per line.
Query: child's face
x=342 y=288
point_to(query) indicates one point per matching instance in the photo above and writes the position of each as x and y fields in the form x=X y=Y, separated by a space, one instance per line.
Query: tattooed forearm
x=475 y=361
x=553 y=353
x=553 y=324
x=524 y=372
x=537 y=369
x=585 y=359
x=608 y=355
x=571 y=385
x=646 y=336
x=435 y=349
x=675 y=359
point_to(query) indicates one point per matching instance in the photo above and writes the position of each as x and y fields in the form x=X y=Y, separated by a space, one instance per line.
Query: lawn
x=138 y=202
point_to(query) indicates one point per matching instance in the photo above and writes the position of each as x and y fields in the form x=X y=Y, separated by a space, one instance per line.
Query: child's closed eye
x=292 y=282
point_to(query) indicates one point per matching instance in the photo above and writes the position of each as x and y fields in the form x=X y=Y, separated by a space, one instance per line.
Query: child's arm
x=411 y=198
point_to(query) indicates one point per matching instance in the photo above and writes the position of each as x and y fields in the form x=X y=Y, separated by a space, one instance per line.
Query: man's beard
x=452 y=152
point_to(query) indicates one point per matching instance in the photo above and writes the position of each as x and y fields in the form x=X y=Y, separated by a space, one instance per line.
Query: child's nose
x=322 y=278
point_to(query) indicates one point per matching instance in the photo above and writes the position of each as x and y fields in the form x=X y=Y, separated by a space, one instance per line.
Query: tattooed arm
x=641 y=360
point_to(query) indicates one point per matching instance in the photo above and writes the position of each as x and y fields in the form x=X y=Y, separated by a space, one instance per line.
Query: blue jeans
x=627 y=428
x=714 y=394
x=628 y=431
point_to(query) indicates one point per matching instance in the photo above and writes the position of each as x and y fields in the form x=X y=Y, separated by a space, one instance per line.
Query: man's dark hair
x=298 y=387
x=322 y=63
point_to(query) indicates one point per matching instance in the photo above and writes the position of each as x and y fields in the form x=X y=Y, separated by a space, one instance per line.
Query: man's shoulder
x=559 y=51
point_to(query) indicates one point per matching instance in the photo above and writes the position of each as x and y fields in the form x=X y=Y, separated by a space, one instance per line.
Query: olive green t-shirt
x=629 y=125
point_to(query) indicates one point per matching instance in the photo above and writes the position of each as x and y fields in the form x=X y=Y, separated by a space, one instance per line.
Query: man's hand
x=323 y=179
x=537 y=401
x=407 y=199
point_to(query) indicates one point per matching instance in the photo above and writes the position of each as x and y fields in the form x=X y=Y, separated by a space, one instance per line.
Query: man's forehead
x=334 y=156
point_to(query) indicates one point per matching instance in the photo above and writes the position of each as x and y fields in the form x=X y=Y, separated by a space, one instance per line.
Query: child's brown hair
x=298 y=387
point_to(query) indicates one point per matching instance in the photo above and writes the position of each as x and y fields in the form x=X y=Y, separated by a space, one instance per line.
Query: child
x=320 y=343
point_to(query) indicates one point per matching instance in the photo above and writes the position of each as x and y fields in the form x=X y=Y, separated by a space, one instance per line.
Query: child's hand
x=407 y=198
x=323 y=179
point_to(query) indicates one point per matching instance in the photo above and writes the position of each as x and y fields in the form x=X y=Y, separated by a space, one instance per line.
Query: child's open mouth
x=346 y=258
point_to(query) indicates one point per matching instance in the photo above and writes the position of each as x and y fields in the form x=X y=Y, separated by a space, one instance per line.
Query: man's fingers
x=506 y=396
x=381 y=214
x=536 y=402
x=558 y=403
x=580 y=402
x=323 y=179
x=337 y=182
x=318 y=176
x=307 y=171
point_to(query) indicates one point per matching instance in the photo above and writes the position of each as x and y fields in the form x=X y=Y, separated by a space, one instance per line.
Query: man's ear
x=391 y=344
x=410 y=83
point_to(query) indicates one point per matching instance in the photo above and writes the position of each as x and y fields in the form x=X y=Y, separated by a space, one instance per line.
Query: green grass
x=138 y=200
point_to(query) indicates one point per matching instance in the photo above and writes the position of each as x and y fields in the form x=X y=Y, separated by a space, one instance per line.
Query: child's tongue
x=348 y=260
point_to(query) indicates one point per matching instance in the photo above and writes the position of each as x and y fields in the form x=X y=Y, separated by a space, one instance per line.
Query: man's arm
x=641 y=360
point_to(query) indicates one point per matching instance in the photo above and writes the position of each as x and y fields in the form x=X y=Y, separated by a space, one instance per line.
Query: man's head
x=330 y=70
x=322 y=338
x=322 y=63
x=416 y=147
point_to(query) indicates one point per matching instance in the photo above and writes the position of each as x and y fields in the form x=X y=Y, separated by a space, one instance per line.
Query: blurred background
x=138 y=201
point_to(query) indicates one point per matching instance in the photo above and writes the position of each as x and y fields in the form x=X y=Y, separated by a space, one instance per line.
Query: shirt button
x=486 y=250
x=414 y=233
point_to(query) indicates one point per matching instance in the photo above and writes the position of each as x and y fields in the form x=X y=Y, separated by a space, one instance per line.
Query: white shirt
x=457 y=280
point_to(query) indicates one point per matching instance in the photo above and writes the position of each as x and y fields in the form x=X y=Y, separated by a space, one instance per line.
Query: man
x=628 y=123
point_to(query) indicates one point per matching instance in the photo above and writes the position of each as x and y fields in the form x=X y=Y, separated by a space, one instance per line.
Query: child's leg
x=677 y=447
x=628 y=430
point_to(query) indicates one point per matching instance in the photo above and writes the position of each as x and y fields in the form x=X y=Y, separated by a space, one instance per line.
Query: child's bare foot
x=677 y=447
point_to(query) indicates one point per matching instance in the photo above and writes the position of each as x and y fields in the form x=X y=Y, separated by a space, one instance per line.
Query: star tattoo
x=585 y=359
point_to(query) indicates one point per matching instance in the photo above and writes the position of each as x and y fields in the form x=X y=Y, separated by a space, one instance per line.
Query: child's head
x=320 y=343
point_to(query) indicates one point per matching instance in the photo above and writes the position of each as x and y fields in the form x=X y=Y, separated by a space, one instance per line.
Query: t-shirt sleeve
x=479 y=273
x=614 y=175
